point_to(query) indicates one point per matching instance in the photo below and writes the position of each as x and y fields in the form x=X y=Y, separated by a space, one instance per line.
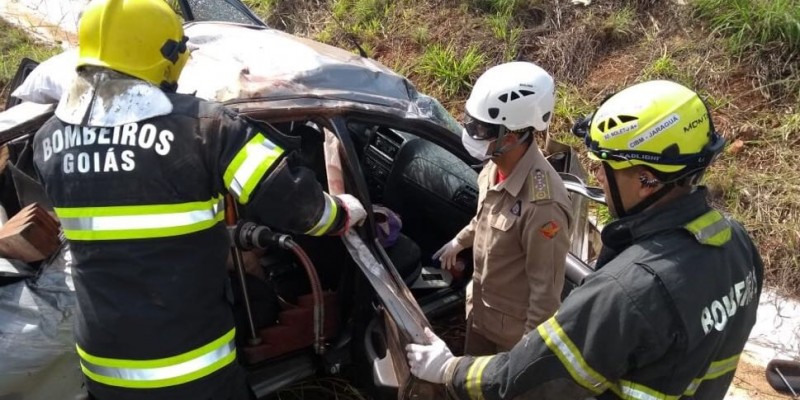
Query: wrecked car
x=326 y=305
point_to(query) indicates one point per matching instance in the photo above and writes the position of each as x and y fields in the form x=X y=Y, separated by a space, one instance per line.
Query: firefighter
x=520 y=233
x=137 y=174
x=674 y=297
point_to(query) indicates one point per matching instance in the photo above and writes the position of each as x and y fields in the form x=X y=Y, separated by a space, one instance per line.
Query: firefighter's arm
x=598 y=334
x=545 y=242
x=266 y=178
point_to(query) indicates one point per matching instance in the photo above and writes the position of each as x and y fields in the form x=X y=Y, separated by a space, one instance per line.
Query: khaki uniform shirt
x=520 y=238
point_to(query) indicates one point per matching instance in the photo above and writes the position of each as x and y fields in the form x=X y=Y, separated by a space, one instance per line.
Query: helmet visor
x=480 y=130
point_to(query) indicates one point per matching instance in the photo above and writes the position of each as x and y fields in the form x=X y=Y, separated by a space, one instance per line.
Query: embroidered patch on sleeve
x=549 y=230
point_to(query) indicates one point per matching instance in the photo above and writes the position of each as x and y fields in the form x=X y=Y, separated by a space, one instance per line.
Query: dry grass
x=593 y=52
x=764 y=33
x=760 y=186
x=14 y=46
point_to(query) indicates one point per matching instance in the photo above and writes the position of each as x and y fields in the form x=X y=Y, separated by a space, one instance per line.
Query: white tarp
x=37 y=347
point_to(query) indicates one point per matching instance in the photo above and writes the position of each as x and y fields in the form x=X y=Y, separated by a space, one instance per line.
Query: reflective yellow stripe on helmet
x=175 y=370
x=139 y=222
x=326 y=220
x=712 y=228
x=249 y=166
x=556 y=339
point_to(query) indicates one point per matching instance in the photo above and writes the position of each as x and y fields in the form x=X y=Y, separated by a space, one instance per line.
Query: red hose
x=316 y=293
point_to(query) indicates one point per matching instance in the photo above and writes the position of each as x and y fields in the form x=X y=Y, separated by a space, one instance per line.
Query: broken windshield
x=214 y=10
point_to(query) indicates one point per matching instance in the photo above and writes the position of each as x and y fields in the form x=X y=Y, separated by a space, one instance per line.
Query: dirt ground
x=750 y=382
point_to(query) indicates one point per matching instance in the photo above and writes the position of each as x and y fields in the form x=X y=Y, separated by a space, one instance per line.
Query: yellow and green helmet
x=659 y=124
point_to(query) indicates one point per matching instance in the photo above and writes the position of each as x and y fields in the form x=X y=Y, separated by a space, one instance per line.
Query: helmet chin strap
x=640 y=206
x=506 y=148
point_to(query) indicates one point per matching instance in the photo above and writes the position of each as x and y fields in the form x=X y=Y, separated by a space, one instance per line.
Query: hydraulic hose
x=316 y=293
x=248 y=235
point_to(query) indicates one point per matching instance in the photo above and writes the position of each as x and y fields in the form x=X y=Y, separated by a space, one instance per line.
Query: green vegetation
x=757 y=181
x=753 y=23
x=571 y=103
x=262 y=7
x=505 y=29
x=666 y=67
x=498 y=6
x=663 y=67
x=361 y=14
x=14 y=46
x=421 y=35
x=768 y=30
x=452 y=72
x=620 y=23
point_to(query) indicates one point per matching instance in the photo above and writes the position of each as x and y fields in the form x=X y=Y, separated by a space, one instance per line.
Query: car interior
x=432 y=190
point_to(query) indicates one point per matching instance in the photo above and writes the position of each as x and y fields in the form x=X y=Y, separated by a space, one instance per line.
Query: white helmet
x=517 y=95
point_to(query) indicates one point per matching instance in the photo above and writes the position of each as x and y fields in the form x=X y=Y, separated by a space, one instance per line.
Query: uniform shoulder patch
x=550 y=229
x=540 y=190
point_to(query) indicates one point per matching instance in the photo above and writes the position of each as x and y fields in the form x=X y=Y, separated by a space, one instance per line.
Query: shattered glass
x=223 y=11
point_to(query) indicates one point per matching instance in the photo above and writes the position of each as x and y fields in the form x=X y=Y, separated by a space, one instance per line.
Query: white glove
x=355 y=210
x=429 y=362
x=447 y=255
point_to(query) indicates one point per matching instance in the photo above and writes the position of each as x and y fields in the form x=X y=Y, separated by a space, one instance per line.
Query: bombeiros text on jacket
x=145 y=136
x=716 y=315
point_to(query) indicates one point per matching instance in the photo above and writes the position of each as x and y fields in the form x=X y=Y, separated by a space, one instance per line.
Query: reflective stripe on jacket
x=142 y=205
x=665 y=316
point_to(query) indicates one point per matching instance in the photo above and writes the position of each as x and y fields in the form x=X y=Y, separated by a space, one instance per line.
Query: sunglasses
x=480 y=130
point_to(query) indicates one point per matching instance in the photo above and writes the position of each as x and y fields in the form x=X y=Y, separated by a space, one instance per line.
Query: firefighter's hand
x=447 y=255
x=355 y=211
x=429 y=362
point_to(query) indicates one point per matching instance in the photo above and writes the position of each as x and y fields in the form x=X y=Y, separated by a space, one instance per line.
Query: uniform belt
x=163 y=372
x=140 y=221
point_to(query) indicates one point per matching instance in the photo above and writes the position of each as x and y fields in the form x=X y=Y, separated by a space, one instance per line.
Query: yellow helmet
x=141 y=38
x=659 y=124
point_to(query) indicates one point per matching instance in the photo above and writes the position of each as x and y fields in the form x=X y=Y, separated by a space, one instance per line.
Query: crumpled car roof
x=252 y=62
x=238 y=62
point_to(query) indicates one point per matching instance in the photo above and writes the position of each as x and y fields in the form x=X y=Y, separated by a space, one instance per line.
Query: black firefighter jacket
x=666 y=316
x=142 y=207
